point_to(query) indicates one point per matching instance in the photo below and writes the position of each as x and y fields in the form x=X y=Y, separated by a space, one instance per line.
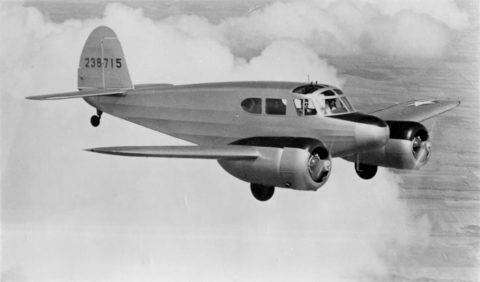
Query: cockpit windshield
x=332 y=106
x=332 y=101
x=327 y=99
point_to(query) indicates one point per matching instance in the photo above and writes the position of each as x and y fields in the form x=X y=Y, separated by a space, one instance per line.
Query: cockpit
x=321 y=99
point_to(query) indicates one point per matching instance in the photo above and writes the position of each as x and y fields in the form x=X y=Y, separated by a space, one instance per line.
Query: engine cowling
x=408 y=147
x=288 y=167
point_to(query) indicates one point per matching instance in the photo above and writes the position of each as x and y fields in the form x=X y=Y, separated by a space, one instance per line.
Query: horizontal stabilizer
x=79 y=94
x=189 y=152
x=418 y=110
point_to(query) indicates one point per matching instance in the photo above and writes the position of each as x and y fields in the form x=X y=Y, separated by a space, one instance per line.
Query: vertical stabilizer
x=102 y=64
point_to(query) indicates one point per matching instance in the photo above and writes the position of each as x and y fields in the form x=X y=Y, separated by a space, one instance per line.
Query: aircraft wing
x=192 y=152
x=417 y=110
x=79 y=94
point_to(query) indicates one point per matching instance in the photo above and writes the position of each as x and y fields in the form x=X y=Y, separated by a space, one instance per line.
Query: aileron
x=417 y=110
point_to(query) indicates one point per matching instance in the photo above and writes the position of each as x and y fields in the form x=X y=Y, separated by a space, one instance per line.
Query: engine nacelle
x=295 y=168
x=407 y=148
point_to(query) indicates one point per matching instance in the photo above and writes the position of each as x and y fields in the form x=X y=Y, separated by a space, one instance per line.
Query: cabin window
x=304 y=107
x=252 y=105
x=276 y=106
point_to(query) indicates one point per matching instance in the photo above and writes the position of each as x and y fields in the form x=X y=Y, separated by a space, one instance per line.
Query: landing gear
x=365 y=171
x=261 y=192
x=95 y=119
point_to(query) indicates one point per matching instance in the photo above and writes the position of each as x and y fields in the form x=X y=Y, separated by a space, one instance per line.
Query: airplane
x=267 y=133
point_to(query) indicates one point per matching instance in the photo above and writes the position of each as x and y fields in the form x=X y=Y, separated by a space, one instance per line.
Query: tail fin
x=102 y=64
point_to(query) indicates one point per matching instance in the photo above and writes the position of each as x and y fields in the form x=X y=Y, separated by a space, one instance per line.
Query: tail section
x=102 y=63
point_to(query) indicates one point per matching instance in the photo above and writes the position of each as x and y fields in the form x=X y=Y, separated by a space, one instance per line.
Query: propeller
x=319 y=168
x=421 y=151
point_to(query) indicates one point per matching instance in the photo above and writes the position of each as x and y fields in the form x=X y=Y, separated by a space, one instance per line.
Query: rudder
x=102 y=63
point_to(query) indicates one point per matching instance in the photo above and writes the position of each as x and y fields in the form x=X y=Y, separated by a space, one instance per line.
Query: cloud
x=347 y=27
x=73 y=215
x=443 y=11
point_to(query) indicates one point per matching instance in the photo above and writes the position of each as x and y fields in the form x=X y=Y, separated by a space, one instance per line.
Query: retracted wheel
x=262 y=192
x=365 y=171
x=95 y=120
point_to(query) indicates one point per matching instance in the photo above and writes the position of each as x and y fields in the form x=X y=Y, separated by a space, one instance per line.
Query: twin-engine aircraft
x=270 y=134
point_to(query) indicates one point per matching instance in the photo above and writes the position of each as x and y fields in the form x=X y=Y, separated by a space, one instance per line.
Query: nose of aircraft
x=371 y=132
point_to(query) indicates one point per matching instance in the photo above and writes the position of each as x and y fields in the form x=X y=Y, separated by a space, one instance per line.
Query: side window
x=298 y=106
x=304 y=107
x=309 y=108
x=252 y=105
x=276 y=106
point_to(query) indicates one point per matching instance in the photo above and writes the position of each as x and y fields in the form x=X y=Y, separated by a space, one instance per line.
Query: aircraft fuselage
x=211 y=114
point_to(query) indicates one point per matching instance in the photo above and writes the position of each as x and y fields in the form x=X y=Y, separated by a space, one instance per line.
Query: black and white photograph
x=240 y=140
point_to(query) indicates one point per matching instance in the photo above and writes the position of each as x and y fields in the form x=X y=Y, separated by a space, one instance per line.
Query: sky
x=70 y=215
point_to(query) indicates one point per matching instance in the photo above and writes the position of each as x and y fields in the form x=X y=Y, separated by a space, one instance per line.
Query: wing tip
x=454 y=103
x=34 y=98
x=96 y=150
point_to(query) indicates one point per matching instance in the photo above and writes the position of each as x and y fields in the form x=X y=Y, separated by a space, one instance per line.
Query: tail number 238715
x=103 y=63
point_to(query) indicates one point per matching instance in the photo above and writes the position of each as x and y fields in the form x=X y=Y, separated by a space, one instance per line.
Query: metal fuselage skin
x=211 y=114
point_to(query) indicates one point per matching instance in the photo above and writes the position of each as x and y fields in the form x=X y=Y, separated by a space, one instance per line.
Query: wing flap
x=79 y=94
x=190 y=152
x=417 y=110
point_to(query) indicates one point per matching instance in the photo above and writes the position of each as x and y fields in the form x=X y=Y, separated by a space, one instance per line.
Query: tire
x=261 y=192
x=366 y=171
x=95 y=121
